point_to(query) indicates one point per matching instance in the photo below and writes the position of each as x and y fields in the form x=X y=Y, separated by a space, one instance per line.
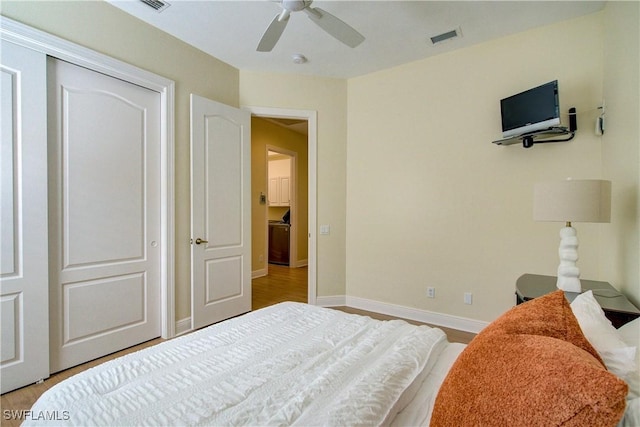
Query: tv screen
x=532 y=110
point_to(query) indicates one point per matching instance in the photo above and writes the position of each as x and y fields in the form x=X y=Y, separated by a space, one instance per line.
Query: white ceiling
x=396 y=32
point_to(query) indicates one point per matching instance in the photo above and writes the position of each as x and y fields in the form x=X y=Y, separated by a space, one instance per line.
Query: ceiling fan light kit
x=332 y=25
x=298 y=58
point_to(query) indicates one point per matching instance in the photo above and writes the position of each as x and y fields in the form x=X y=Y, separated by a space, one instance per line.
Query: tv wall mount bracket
x=552 y=134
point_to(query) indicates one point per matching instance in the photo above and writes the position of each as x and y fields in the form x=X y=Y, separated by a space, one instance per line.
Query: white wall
x=432 y=202
x=280 y=167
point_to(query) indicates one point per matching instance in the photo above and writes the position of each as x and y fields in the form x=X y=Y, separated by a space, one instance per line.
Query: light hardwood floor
x=290 y=284
x=282 y=284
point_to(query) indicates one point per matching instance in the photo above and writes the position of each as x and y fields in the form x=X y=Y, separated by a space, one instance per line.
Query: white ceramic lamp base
x=568 y=272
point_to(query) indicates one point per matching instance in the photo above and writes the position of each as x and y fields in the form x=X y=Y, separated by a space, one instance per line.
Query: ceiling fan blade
x=335 y=27
x=273 y=33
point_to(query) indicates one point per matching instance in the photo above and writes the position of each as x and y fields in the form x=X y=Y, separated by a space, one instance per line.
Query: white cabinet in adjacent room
x=279 y=191
x=280 y=182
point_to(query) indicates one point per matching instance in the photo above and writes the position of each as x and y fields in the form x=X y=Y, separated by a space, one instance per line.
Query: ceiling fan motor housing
x=329 y=23
x=295 y=5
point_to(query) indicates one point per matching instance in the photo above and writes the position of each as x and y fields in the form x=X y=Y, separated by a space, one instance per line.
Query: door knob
x=199 y=241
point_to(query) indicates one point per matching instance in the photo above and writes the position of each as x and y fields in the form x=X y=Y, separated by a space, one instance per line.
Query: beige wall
x=106 y=29
x=620 y=262
x=328 y=98
x=263 y=134
x=432 y=202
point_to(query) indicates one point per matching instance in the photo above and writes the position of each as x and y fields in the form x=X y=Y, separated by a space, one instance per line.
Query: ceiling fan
x=332 y=25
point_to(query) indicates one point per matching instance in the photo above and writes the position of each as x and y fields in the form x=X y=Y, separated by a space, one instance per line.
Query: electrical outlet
x=261 y=258
x=468 y=298
x=431 y=292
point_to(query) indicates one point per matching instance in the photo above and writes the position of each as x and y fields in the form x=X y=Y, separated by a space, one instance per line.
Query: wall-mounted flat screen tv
x=532 y=110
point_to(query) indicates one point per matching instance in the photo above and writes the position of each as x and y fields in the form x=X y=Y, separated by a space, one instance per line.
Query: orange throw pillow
x=532 y=366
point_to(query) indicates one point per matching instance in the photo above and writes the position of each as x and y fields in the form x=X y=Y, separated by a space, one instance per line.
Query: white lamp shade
x=572 y=200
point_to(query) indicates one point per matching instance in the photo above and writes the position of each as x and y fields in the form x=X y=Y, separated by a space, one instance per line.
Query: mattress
x=289 y=364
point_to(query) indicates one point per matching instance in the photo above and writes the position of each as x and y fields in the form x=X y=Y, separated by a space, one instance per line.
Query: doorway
x=304 y=261
x=282 y=213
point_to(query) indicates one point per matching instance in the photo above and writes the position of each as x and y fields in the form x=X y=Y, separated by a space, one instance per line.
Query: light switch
x=325 y=229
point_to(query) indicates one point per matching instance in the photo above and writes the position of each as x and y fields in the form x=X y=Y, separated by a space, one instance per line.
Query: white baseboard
x=183 y=326
x=259 y=273
x=432 y=318
x=424 y=316
x=301 y=263
x=331 y=301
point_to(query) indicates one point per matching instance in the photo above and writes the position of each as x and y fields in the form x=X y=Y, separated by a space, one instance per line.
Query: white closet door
x=105 y=214
x=24 y=290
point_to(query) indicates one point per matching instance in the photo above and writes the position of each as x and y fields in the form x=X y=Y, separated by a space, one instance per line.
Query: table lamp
x=571 y=200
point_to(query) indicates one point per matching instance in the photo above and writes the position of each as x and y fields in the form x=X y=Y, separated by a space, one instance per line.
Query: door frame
x=293 y=205
x=311 y=116
x=57 y=47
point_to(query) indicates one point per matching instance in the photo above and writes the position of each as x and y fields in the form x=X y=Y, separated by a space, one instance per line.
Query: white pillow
x=618 y=356
x=631 y=417
x=630 y=332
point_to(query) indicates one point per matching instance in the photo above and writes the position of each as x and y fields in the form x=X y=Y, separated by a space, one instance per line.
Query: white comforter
x=290 y=364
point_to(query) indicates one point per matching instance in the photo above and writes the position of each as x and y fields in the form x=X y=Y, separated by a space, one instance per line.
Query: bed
x=296 y=364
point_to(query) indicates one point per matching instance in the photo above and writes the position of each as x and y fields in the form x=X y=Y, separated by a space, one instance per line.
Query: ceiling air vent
x=158 y=5
x=446 y=36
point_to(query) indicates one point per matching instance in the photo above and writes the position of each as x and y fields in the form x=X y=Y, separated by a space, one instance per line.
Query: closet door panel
x=104 y=187
x=24 y=287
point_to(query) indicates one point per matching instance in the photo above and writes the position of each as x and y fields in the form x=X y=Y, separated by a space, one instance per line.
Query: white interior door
x=104 y=214
x=24 y=275
x=220 y=211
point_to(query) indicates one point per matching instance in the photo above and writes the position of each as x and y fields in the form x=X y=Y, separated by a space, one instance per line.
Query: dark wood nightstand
x=615 y=305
